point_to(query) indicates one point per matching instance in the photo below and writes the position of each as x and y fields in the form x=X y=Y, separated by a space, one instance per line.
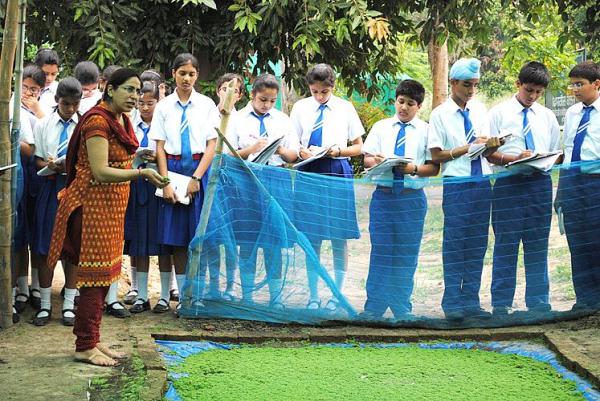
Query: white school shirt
x=138 y=124
x=508 y=116
x=590 y=148
x=28 y=121
x=382 y=139
x=341 y=123
x=47 y=134
x=244 y=131
x=166 y=122
x=89 y=102
x=447 y=131
x=47 y=98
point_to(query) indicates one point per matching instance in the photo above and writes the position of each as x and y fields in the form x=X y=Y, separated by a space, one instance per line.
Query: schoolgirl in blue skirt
x=255 y=126
x=141 y=219
x=185 y=143
x=325 y=210
x=52 y=136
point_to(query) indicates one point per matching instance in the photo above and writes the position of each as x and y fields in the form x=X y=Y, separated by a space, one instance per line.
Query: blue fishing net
x=514 y=247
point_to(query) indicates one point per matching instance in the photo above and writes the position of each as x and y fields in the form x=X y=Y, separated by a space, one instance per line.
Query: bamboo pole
x=7 y=59
x=195 y=250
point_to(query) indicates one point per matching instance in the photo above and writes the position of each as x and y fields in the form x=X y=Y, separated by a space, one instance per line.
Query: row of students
x=186 y=145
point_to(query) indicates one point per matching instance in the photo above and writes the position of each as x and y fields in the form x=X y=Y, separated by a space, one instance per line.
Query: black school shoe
x=161 y=306
x=15 y=317
x=21 y=305
x=42 y=320
x=68 y=320
x=35 y=300
x=174 y=296
x=118 y=313
x=140 y=306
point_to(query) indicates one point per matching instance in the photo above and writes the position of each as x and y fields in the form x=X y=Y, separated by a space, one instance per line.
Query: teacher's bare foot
x=110 y=353
x=95 y=357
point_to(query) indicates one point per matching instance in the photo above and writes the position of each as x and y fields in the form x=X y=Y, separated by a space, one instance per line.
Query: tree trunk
x=7 y=59
x=438 y=62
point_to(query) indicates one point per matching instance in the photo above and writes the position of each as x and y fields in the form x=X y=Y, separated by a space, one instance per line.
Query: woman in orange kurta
x=89 y=225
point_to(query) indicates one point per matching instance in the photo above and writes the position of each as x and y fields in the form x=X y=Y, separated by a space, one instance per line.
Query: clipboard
x=384 y=169
x=318 y=153
x=264 y=155
x=536 y=162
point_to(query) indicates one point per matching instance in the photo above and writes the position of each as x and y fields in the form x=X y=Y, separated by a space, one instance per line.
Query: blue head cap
x=465 y=68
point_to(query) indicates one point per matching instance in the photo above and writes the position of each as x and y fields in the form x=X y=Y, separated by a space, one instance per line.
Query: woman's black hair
x=321 y=73
x=118 y=78
x=183 y=59
x=108 y=71
x=69 y=87
x=265 y=81
x=46 y=56
x=150 y=87
x=34 y=72
x=87 y=72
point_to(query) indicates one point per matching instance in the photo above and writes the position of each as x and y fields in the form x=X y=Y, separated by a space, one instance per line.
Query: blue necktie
x=144 y=141
x=63 y=141
x=470 y=135
x=399 y=150
x=529 y=144
x=581 y=133
x=187 y=162
x=316 y=136
x=262 y=130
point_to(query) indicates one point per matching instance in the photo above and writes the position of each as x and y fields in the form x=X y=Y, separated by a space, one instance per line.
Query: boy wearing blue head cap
x=454 y=126
x=522 y=204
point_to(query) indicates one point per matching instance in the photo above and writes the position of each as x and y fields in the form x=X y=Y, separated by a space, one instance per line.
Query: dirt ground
x=36 y=362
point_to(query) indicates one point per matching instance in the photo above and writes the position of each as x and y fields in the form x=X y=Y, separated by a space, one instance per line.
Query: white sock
x=69 y=302
x=134 y=278
x=247 y=280
x=111 y=297
x=142 y=285
x=23 y=284
x=35 y=279
x=339 y=279
x=46 y=303
x=165 y=278
x=14 y=294
x=180 y=281
x=275 y=289
x=173 y=278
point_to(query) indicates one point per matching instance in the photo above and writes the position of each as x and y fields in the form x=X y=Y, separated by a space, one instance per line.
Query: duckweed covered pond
x=428 y=371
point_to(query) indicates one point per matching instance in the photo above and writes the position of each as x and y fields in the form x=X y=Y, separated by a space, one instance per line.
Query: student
x=47 y=59
x=52 y=139
x=88 y=75
x=522 y=204
x=579 y=184
x=231 y=259
x=255 y=127
x=34 y=80
x=325 y=120
x=106 y=74
x=185 y=144
x=453 y=126
x=397 y=212
x=141 y=218
x=157 y=78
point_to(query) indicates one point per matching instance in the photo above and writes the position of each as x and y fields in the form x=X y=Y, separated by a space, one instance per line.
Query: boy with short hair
x=579 y=185
x=88 y=75
x=522 y=204
x=398 y=208
x=47 y=59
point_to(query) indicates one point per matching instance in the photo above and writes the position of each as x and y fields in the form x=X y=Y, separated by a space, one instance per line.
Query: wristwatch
x=196 y=178
x=415 y=171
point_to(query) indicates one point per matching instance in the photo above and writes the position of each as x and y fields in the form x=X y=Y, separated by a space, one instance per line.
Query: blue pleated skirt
x=45 y=212
x=21 y=237
x=325 y=208
x=141 y=220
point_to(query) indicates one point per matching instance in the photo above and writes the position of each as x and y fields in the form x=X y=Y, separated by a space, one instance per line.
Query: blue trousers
x=396 y=227
x=466 y=207
x=581 y=211
x=521 y=211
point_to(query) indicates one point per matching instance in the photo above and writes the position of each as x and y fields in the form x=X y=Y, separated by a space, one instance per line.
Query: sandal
x=131 y=297
x=174 y=295
x=161 y=306
x=19 y=304
x=313 y=304
x=120 y=313
x=15 y=317
x=68 y=320
x=332 y=305
x=35 y=300
x=42 y=320
x=140 y=306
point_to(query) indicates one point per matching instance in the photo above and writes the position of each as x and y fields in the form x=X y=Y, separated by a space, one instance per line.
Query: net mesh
x=289 y=246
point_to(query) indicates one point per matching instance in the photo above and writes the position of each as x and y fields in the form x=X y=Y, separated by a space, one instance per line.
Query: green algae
x=331 y=373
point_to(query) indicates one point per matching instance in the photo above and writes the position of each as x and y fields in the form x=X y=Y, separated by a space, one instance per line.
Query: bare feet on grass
x=95 y=357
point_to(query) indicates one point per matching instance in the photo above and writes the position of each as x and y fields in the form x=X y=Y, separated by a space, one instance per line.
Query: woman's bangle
x=451 y=155
x=339 y=151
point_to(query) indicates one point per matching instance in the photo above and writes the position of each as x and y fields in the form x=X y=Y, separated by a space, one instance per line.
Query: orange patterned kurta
x=103 y=211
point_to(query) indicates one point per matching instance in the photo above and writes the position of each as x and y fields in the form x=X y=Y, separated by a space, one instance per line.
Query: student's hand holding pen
x=305 y=153
x=260 y=144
